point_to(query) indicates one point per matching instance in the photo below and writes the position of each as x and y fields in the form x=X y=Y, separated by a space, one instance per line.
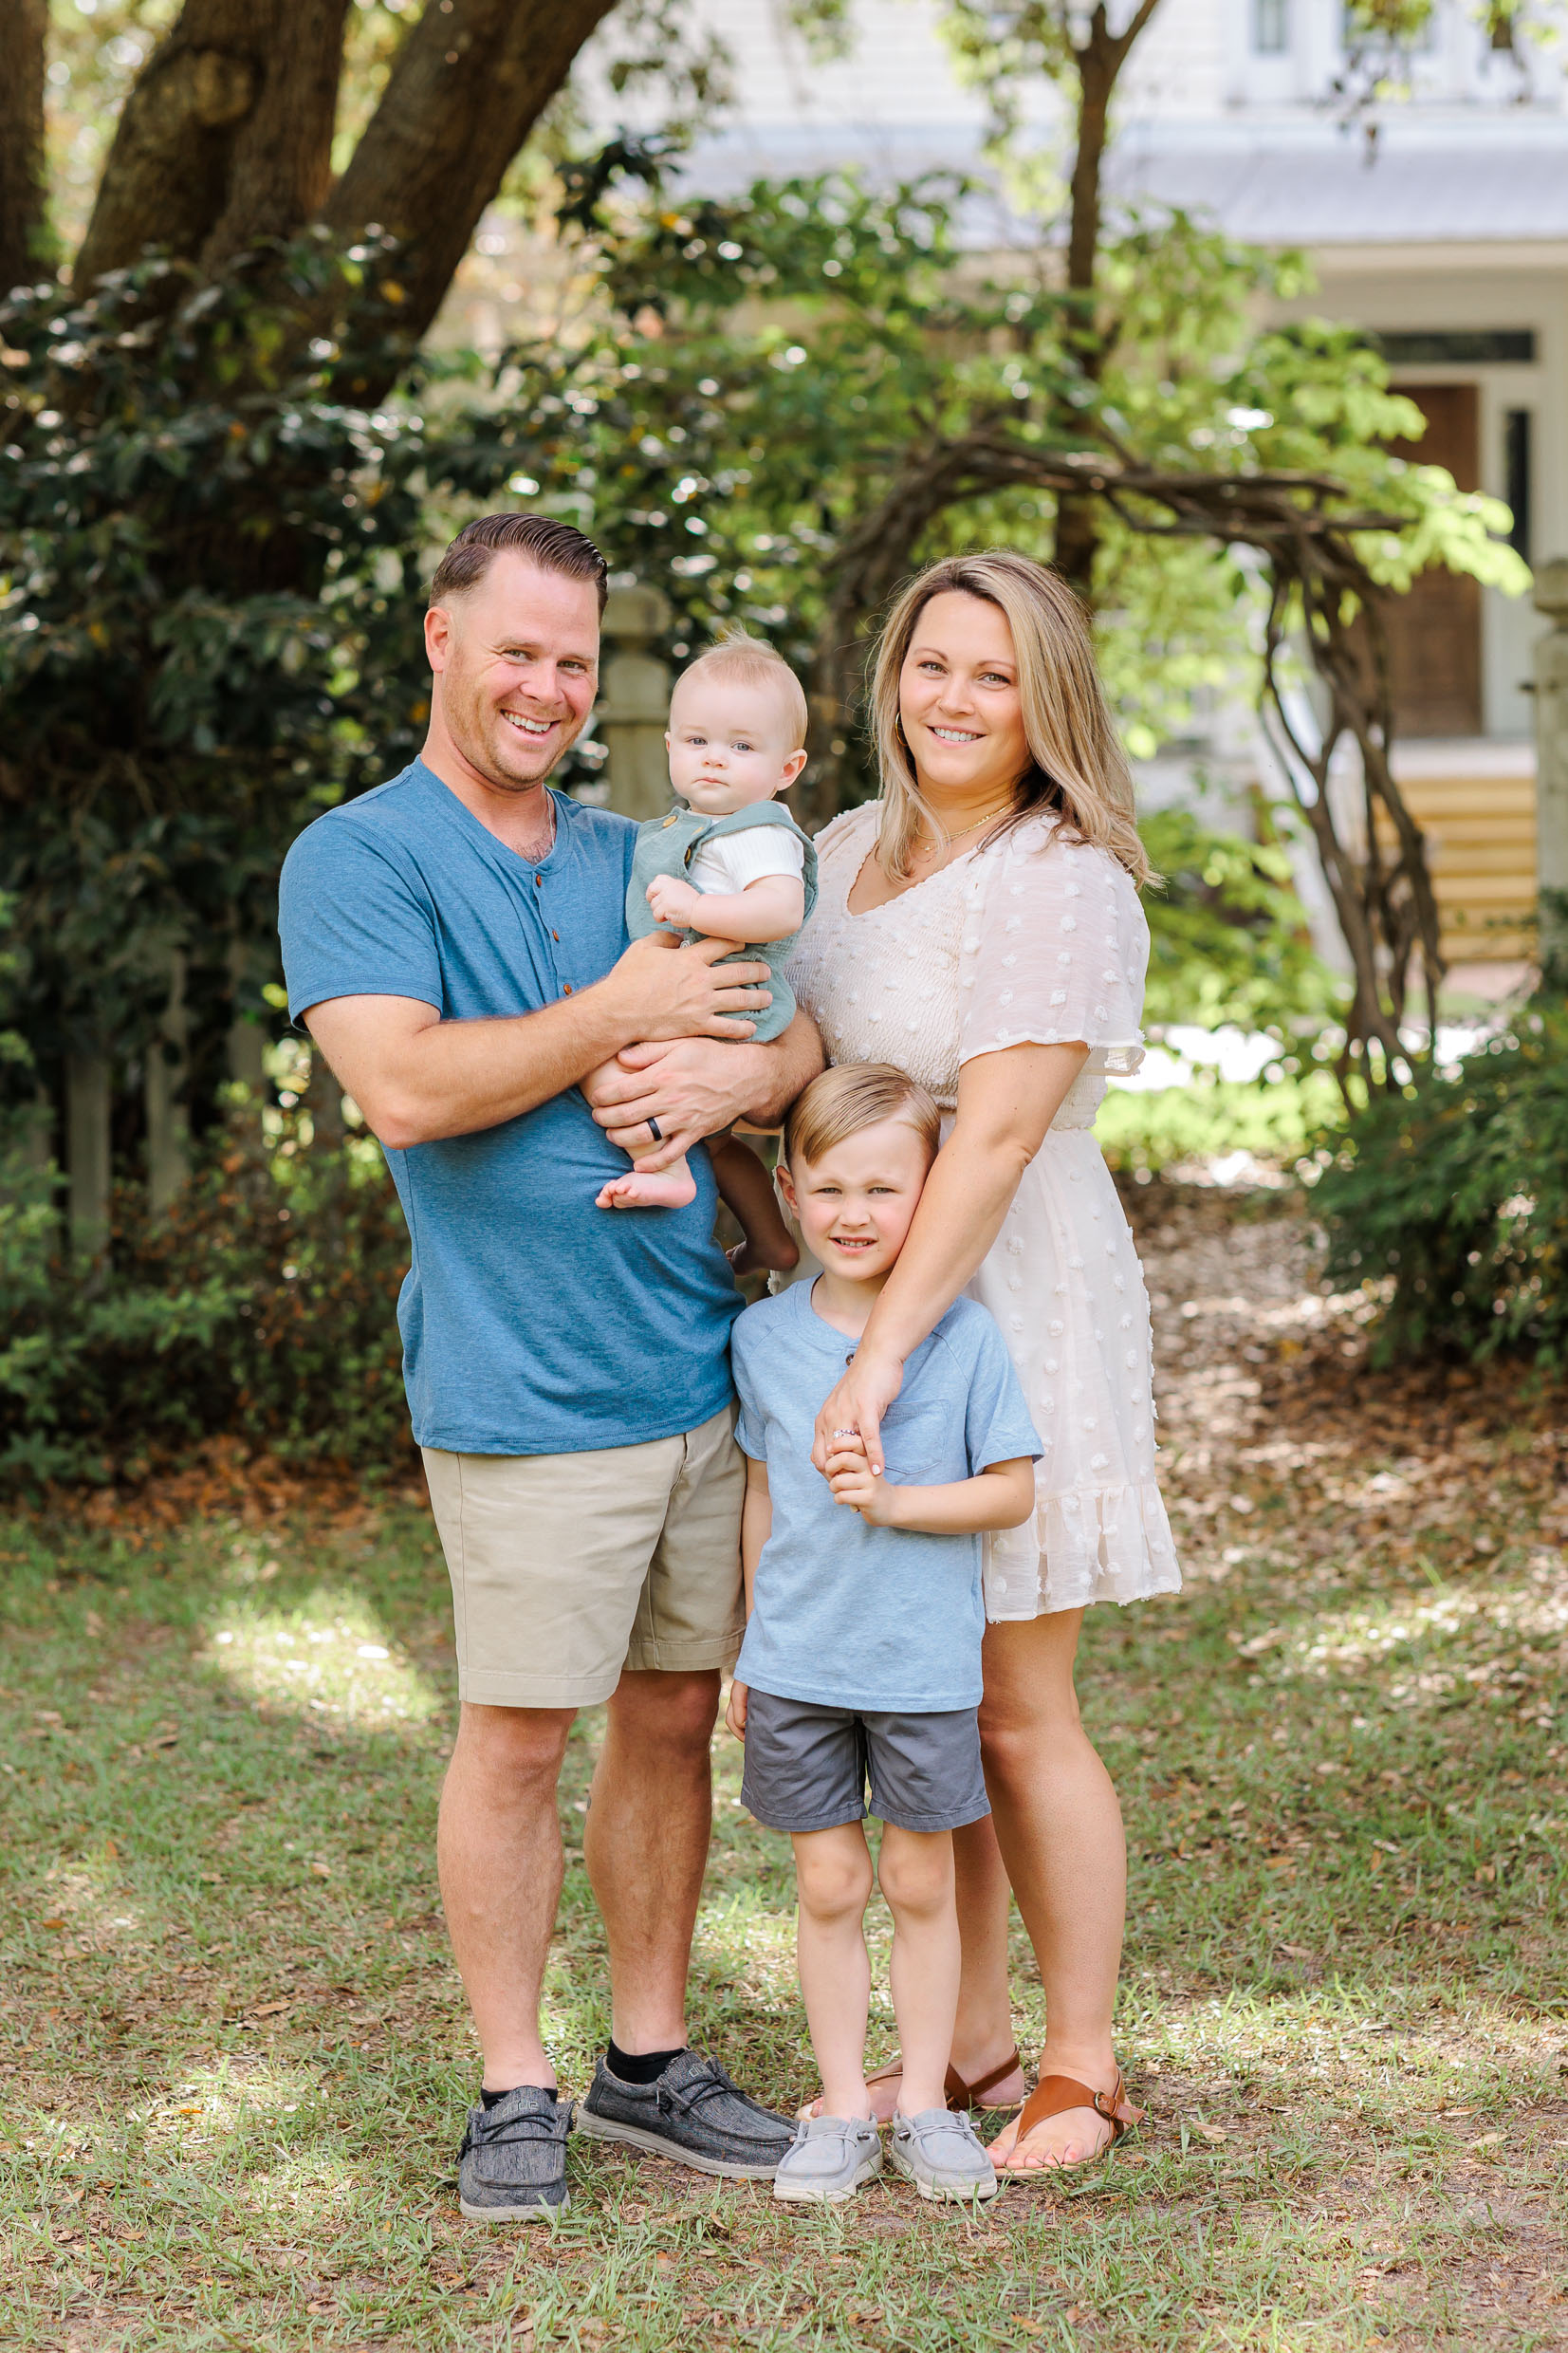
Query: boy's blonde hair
x=840 y=1103
x=738 y=655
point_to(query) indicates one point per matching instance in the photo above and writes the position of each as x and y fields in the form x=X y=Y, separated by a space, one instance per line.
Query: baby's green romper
x=668 y=844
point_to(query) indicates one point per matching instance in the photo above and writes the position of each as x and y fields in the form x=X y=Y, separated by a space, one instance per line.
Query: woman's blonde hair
x=1077 y=765
x=856 y=1095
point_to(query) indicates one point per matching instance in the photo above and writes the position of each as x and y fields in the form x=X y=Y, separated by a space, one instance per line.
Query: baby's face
x=729 y=745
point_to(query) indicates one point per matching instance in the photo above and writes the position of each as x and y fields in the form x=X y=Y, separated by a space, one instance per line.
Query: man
x=453 y=944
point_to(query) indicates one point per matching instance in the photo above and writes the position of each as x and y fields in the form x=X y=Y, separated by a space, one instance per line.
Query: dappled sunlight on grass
x=325 y=1654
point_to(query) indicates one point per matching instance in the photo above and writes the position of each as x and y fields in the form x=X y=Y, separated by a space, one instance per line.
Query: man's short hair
x=553 y=547
x=856 y=1095
x=735 y=654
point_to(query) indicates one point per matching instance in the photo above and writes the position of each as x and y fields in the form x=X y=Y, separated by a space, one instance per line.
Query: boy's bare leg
x=833 y=1884
x=916 y=1874
x=745 y=1188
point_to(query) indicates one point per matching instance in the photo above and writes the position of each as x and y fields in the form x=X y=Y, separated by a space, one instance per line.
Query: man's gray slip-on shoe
x=693 y=2113
x=940 y=2155
x=827 y=2160
x=512 y=2164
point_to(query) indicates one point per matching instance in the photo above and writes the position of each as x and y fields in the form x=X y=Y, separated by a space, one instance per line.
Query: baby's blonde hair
x=840 y=1103
x=736 y=653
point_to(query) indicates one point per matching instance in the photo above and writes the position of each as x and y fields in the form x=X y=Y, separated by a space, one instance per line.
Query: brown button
x=566 y=988
x=555 y=935
x=539 y=882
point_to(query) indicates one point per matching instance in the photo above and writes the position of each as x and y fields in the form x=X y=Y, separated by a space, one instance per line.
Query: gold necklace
x=989 y=818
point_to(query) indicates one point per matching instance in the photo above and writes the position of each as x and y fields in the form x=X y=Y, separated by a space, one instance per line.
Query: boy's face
x=728 y=744
x=856 y=1203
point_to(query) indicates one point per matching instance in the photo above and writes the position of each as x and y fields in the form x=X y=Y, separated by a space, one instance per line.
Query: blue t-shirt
x=532 y=1323
x=843 y=1614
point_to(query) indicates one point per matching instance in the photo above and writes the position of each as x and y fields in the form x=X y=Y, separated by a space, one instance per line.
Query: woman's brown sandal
x=1053 y=2096
x=962 y=2096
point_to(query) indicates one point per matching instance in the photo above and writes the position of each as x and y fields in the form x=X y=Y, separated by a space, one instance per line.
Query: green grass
x=235 y=2061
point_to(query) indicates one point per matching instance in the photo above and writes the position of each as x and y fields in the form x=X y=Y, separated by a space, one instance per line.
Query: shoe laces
x=527 y=2126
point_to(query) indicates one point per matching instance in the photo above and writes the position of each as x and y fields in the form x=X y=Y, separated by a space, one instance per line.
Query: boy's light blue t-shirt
x=533 y=1322
x=846 y=1615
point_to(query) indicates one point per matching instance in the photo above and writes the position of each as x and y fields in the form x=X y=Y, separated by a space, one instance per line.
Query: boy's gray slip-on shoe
x=693 y=2113
x=940 y=2155
x=512 y=2164
x=828 y=2159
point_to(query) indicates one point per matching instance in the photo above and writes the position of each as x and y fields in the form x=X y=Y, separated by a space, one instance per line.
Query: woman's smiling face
x=959 y=701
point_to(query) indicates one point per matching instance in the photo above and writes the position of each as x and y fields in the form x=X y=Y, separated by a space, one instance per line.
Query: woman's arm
x=1006 y=1102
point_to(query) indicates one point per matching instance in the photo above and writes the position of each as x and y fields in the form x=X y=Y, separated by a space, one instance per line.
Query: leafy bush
x=1455 y=1197
x=1228 y=940
x=261 y=1305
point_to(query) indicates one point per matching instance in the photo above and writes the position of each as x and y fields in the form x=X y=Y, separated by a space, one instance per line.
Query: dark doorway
x=1434 y=632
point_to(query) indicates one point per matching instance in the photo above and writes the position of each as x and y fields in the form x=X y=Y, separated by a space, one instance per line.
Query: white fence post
x=635 y=702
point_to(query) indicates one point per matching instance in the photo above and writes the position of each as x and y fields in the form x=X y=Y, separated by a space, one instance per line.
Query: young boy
x=861 y=1660
x=732 y=864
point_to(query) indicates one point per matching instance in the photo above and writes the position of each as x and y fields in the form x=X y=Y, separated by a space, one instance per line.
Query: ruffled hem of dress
x=1097 y=1544
x=1103 y=1061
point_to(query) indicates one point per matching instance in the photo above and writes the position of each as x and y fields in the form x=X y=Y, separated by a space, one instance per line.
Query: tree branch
x=23 y=34
x=469 y=85
x=281 y=166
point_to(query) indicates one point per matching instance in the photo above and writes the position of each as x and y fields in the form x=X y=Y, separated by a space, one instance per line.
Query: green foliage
x=1277 y=1121
x=1453 y=1201
x=261 y=1305
x=1228 y=938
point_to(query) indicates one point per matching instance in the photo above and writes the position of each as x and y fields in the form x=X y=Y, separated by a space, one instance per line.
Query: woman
x=980 y=927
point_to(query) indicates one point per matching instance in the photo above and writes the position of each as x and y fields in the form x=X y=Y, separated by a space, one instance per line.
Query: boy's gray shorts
x=808 y=1767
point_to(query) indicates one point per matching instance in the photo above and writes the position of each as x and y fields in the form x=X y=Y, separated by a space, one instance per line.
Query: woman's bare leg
x=1059 y=1828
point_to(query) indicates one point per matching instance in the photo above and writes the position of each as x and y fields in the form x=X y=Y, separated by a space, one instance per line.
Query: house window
x=1516 y=477
x=1270 y=27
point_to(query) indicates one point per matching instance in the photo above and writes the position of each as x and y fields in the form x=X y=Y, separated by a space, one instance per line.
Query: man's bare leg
x=649 y=1812
x=498 y=1846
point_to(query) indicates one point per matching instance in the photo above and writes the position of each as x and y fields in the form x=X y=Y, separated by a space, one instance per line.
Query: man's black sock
x=643 y=2066
x=489 y=2098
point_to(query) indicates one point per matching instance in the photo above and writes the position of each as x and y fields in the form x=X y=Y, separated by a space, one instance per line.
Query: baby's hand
x=855 y=1483
x=673 y=902
x=734 y=1715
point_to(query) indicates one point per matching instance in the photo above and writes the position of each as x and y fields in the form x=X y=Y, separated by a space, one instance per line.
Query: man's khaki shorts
x=565 y=1568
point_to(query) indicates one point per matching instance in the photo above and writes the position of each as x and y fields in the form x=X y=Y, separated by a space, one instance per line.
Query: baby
x=731 y=864
x=864 y=1618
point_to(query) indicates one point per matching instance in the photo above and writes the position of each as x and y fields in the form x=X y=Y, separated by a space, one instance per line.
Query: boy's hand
x=855 y=1483
x=673 y=902
x=734 y=1715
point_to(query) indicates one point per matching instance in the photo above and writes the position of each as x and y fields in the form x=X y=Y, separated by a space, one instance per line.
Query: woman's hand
x=866 y=1389
x=734 y=1715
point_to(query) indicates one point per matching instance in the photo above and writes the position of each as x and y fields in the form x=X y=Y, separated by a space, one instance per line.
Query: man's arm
x=417 y=1077
x=695 y=1086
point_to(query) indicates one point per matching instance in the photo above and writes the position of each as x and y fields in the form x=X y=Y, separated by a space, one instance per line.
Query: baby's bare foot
x=672 y=1188
x=762 y=1254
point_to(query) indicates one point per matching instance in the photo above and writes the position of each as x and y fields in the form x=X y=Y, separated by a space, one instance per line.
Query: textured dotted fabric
x=1031 y=940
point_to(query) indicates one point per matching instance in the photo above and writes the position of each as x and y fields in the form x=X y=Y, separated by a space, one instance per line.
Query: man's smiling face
x=516 y=668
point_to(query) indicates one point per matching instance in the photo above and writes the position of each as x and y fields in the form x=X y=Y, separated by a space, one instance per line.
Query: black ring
x=655 y=1130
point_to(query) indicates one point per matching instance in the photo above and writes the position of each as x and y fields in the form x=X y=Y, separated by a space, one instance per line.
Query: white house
x=1436 y=218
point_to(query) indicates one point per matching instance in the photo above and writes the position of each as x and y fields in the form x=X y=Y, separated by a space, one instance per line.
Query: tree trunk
x=168 y=1118
x=470 y=83
x=23 y=29
x=281 y=168
x=166 y=179
x=1099 y=61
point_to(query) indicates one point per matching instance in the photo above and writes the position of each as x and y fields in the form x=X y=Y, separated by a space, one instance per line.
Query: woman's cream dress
x=1033 y=939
